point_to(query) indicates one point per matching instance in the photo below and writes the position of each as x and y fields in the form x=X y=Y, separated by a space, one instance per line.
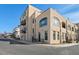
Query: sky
x=10 y=13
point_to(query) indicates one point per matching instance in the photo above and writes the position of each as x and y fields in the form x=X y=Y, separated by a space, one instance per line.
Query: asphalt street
x=35 y=49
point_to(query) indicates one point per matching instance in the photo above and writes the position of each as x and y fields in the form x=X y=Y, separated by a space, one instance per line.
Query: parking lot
x=36 y=49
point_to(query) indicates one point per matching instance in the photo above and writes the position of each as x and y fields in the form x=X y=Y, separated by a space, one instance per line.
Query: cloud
x=74 y=16
x=69 y=8
x=71 y=11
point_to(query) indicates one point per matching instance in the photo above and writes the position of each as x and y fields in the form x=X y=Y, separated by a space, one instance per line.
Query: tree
x=12 y=36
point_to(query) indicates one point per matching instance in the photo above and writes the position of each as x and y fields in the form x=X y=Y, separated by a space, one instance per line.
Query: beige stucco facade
x=64 y=32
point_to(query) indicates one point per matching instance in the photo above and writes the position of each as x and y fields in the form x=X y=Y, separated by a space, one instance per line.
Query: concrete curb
x=61 y=45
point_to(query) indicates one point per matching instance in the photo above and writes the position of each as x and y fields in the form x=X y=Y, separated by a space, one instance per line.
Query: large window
x=56 y=22
x=54 y=35
x=63 y=36
x=43 y=22
x=63 y=25
x=58 y=35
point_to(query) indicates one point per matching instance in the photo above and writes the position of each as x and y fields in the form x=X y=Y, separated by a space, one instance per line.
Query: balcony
x=23 y=30
x=63 y=25
x=23 y=22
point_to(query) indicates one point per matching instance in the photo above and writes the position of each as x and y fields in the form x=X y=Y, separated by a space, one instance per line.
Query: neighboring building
x=1 y=35
x=7 y=35
x=17 y=32
x=46 y=26
x=78 y=31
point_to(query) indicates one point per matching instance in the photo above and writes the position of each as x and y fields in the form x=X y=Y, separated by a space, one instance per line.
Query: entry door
x=46 y=35
x=39 y=37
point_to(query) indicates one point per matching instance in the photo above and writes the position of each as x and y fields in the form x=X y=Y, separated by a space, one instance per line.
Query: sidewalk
x=19 y=42
x=61 y=45
x=51 y=45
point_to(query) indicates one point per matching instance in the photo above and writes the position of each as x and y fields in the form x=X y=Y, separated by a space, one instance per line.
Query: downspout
x=66 y=32
x=60 y=33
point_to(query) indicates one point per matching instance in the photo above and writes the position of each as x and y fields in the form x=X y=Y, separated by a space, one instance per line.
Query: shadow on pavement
x=13 y=41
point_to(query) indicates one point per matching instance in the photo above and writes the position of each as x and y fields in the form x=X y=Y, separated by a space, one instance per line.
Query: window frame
x=46 y=35
x=33 y=20
x=58 y=35
x=54 y=35
x=43 y=22
x=56 y=22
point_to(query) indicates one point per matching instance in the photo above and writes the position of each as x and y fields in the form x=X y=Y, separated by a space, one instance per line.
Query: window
x=58 y=35
x=56 y=22
x=32 y=20
x=33 y=31
x=63 y=25
x=72 y=29
x=54 y=35
x=63 y=36
x=46 y=35
x=43 y=22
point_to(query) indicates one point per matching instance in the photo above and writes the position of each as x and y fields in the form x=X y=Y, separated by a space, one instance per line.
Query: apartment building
x=77 y=31
x=17 y=32
x=46 y=26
